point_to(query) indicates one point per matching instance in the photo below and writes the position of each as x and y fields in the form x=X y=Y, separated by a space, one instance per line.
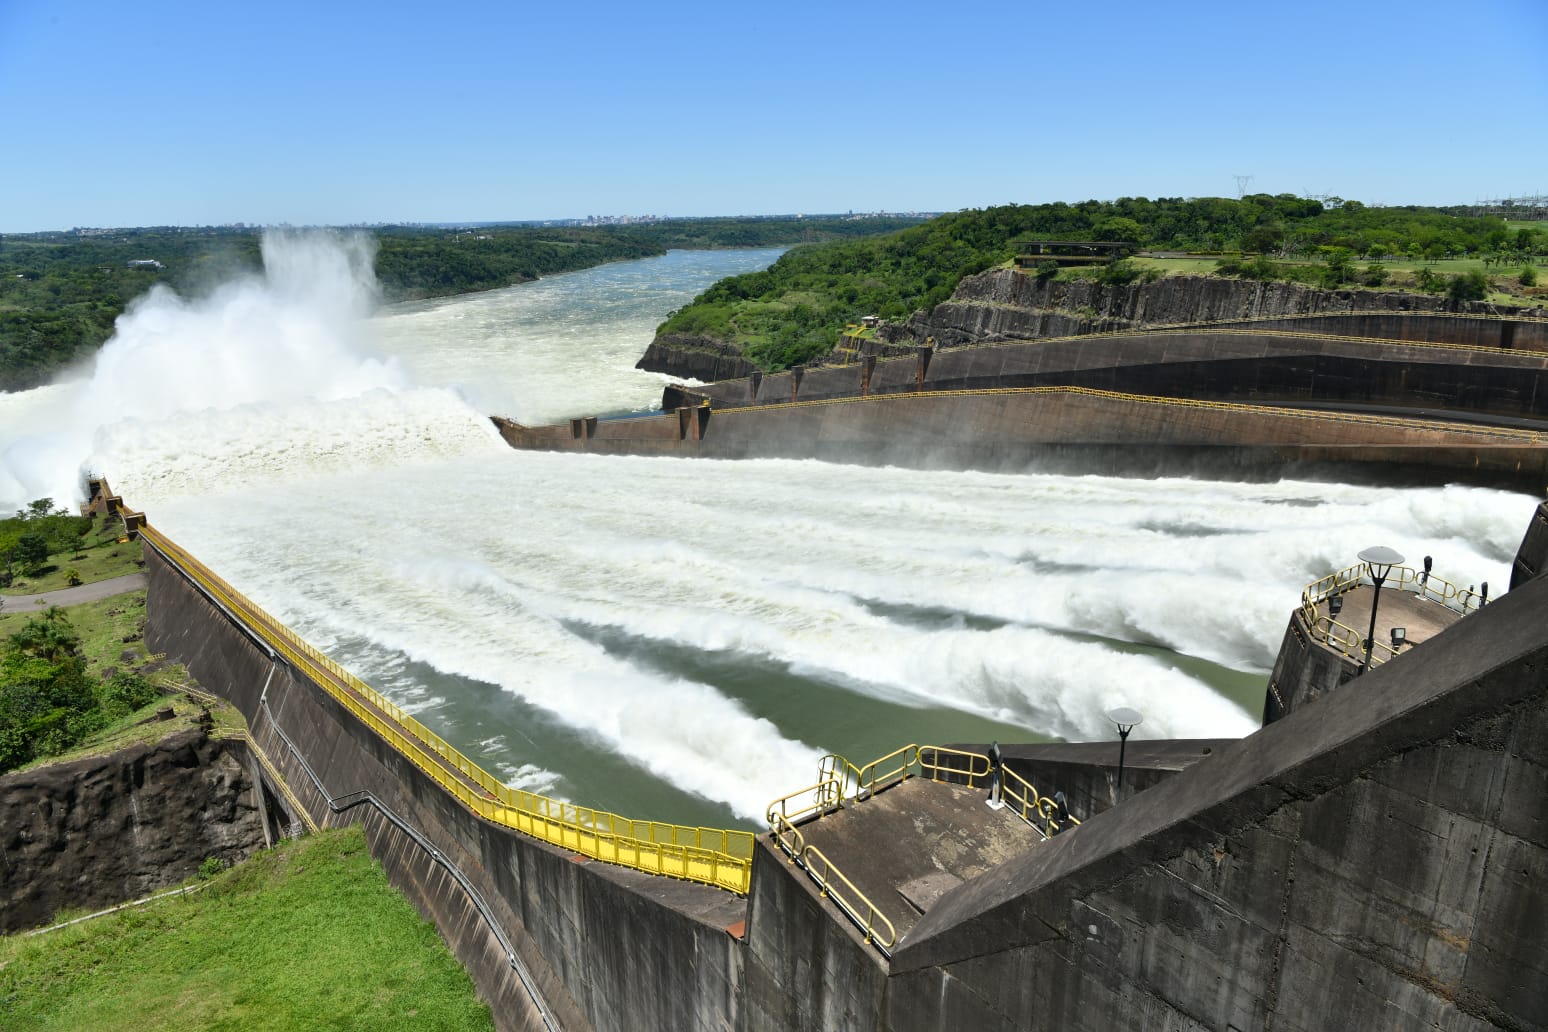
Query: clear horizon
x=192 y=115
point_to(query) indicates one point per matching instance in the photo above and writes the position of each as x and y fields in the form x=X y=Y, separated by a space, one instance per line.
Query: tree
x=46 y=700
x=1120 y=228
x=39 y=509
x=1468 y=286
x=1264 y=239
x=31 y=551
x=1340 y=269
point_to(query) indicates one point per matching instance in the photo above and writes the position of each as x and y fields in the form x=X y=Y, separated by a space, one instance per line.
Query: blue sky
x=141 y=112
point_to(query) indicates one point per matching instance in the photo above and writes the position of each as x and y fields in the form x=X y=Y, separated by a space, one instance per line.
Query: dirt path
x=72 y=596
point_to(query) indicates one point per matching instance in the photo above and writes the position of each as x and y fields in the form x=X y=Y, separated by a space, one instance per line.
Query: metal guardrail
x=1349 y=641
x=840 y=782
x=879 y=931
x=1030 y=803
x=241 y=735
x=711 y=856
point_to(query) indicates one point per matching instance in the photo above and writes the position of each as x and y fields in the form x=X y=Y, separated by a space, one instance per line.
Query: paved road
x=72 y=596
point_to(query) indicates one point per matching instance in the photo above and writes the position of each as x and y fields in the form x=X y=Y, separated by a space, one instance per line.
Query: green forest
x=795 y=310
x=61 y=292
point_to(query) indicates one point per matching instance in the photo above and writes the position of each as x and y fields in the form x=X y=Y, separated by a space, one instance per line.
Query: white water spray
x=182 y=378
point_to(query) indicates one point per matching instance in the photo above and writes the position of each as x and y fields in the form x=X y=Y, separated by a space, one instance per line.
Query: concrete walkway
x=72 y=596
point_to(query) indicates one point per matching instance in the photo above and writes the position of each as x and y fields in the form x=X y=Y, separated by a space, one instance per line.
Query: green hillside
x=794 y=311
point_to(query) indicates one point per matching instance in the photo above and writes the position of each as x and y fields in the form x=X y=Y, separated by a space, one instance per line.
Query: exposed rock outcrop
x=101 y=830
x=1003 y=304
x=694 y=356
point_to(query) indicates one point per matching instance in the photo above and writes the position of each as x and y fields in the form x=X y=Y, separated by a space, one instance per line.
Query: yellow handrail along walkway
x=840 y=784
x=711 y=856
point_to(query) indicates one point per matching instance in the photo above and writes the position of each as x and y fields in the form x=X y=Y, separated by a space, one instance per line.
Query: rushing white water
x=622 y=631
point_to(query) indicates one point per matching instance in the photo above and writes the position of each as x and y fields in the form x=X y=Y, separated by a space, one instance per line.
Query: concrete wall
x=807 y=966
x=1257 y=366
x=605 y=947
x=1532 y=557
x=1303 y=670
x=1057 y=431
x=1373 y=860
x=1087 y=772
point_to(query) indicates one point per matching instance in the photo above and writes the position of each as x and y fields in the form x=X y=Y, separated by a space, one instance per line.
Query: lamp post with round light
x=1127 y=720
x=1379 y=560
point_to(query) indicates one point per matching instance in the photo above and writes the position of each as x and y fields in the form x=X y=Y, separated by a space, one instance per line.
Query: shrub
x=1468 y=286
x=1374 y=275
x=125 y=693
x=1047 y=269
x=1528 y=276
x=211 y=866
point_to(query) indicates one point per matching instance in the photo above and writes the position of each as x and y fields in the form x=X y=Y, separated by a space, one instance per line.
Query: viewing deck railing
x=1038 y=810
x=711 y=856
x=1351 y=642
x=840 y=782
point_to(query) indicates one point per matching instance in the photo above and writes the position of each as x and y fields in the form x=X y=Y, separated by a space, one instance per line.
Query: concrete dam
x=1373 y=857
x=1390 y=396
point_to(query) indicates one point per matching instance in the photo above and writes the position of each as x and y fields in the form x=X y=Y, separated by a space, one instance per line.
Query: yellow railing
x=1350 y=641
x=838 y=782
x=1031 y=804
x=276 y=778
x=712 y=856
x=878 y=929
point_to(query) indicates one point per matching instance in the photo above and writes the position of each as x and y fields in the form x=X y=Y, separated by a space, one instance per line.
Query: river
x=667 y=638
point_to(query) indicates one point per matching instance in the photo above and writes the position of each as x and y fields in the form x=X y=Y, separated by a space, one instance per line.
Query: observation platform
x=1420 y=617
x=907 y=846
x=1337 y=611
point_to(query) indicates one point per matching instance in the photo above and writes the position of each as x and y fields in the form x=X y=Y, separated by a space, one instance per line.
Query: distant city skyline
x=181 y=114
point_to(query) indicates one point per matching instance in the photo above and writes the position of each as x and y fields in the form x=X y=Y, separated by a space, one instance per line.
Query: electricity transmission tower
x=1242 y=182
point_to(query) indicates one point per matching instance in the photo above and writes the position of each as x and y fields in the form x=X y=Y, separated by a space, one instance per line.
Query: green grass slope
x=305 y=936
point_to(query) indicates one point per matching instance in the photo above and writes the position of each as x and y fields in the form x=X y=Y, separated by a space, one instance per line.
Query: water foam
x=264 y=369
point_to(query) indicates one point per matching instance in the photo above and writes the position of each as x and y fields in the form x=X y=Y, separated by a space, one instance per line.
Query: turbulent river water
x=676 y=639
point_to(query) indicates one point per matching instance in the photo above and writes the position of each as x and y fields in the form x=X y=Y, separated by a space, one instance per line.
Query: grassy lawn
x=100 y=557
x=103 y=625
x=308 y=935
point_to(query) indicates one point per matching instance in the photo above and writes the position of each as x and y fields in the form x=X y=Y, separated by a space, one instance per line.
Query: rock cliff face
x=1003 y=304
x=105 y=829
x=1006 y=305
x=695 y=357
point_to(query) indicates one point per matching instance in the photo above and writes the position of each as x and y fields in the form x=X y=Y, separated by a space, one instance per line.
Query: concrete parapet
x=1086 y=772
x=807 y=967
x=1532 y=557
x=1369 y=861
x=1081 y=428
